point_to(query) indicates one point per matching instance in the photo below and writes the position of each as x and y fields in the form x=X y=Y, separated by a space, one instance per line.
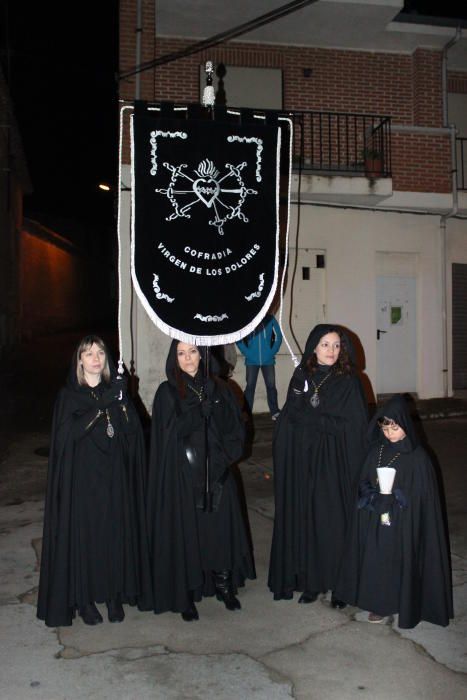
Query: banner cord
x=119 y=240
x=294 y=358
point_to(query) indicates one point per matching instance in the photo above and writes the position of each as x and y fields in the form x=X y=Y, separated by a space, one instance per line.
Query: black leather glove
x=297 y=383
x=120 y=382
x=110 y=396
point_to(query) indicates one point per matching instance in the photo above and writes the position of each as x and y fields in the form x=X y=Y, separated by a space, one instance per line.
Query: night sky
x=437 y=8
x=61 y=60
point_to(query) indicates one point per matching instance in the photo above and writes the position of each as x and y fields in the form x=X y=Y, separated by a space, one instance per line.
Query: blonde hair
x=87 y=342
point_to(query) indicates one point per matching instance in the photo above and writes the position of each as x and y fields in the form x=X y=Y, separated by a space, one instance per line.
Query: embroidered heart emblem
x=206 y=189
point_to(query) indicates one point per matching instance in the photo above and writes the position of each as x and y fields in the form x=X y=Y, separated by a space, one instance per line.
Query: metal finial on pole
x=209 y=96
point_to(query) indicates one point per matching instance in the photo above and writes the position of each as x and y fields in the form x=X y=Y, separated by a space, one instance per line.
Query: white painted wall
x=457 y=112
x=351 y=239
x=150 y=344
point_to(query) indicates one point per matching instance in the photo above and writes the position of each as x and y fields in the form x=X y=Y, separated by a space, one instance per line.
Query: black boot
x=307 y=598
x=90 y=614
x=224 y=592
x=115 y=611
x=336 y=603
x=191 y=613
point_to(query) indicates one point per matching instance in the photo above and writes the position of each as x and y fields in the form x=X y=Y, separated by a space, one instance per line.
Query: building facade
x=380 y=248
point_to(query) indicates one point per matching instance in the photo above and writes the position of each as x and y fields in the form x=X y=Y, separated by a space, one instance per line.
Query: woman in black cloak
x=318 y=449
x=195 y=552
x=94 y=547
x=397 y=554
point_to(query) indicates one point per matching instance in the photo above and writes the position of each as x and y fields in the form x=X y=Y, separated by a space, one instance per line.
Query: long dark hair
x=343 y=364
x=179 y=382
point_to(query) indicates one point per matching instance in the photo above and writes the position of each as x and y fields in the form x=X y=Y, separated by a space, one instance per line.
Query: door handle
x=378 y=333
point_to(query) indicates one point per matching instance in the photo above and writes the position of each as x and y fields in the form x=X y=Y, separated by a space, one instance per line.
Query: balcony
x=461 y=164
x=341 y=157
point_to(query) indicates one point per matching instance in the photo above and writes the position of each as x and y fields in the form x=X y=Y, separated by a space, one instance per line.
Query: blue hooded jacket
x=261 y=346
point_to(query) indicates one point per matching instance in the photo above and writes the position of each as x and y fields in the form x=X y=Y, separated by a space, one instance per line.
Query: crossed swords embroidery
x=209 y=189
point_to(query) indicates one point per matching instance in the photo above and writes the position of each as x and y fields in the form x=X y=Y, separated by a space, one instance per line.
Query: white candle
x=386 y=476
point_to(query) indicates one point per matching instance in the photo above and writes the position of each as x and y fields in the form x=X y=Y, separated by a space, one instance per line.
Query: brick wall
x=406 y=87
x=427 y=88
x=421 y=163
x=127 y=56
x=128 y=47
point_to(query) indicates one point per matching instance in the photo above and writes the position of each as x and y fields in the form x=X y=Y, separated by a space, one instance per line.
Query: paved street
x=267 y=651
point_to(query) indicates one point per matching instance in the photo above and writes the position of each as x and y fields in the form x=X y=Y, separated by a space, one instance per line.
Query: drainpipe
x=453 y=40
x=449 y=214
x=139 y=32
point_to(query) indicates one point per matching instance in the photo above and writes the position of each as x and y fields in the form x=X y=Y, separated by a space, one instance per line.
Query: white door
x=396 y=337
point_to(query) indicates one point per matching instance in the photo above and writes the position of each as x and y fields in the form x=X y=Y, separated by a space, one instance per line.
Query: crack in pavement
x=70 y=653
x=420 y=649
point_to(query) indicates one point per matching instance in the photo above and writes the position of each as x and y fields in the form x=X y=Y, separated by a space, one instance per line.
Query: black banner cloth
x=205 y=224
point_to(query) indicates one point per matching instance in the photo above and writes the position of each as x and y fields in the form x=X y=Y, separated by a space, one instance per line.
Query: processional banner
x=205 y=222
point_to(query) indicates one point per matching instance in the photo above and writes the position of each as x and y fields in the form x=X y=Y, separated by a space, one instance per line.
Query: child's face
x=393 y=432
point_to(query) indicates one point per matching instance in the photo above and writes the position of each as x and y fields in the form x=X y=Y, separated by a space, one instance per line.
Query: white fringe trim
x=119 y=239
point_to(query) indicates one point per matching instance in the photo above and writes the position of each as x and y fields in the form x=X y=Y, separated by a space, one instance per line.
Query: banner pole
x=207 y=505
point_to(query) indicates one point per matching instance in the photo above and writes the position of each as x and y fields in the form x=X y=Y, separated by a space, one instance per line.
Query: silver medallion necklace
x=315 y=396
x=110 y=429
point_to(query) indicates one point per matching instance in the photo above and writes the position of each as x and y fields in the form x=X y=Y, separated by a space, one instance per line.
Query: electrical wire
x=297 y=232
x=229 y=34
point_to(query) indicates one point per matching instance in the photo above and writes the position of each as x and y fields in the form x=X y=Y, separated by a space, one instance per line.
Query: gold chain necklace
x=315 y=396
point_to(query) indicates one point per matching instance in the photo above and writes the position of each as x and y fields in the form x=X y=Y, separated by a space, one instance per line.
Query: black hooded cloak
x=188 y=544
x=94 y=546
x=317 y=456
x=402 y=567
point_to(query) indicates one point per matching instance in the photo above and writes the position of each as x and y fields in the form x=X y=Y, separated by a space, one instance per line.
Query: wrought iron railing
x=461 y=163
x=337 y=142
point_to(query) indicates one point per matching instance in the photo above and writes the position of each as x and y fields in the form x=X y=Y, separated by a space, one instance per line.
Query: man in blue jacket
x=259 y=349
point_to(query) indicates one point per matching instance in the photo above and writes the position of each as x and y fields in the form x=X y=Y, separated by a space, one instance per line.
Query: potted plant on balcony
x=373 y=161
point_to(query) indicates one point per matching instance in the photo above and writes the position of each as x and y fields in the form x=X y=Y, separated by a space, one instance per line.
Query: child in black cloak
x=397 y=554
x=94 y=547
x=195 y=552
